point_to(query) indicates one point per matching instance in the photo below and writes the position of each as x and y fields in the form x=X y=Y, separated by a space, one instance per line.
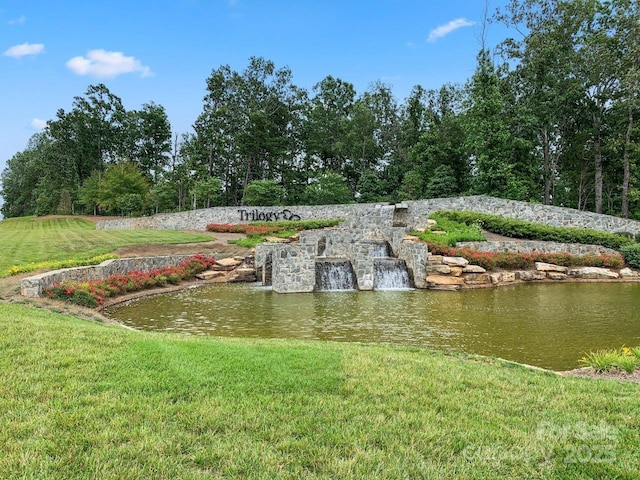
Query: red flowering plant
x=523 y=261
x=93 y=293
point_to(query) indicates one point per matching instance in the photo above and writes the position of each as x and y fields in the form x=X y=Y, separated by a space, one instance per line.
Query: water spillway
x=334 y=275
x=390 y=274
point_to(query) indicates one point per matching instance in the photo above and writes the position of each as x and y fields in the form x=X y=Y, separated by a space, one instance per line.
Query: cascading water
x=390 y=274
x=334 y=275
x=379 y=249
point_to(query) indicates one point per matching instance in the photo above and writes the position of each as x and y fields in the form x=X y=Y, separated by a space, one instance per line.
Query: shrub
x=523 y=261
x=624 y=358
x=455 y=232
x=91 y=294
x=533 y=231
x=631 y=254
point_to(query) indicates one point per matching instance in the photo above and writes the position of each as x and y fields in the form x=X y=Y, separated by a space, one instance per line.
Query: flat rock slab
x=593 y=273
x=550 y=267
x=277 y=240
x=455 y=261
x=209 y=274
x=473 y=269
x=438 y=280
x=226 y=264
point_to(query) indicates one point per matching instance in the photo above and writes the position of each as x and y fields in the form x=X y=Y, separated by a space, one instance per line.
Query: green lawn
x=32 y=239
x=83 y=400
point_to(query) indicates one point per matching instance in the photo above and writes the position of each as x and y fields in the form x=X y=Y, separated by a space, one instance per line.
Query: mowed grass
x=32 y=239
x=85 y=400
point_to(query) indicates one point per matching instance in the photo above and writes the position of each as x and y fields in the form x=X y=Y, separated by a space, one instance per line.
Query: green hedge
x=631 y=254
x=455 y=232
x=510 y=227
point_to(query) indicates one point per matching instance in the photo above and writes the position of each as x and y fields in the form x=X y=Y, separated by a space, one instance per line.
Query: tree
x=24 y=180
x=208 y=190
x=442 y=183
x=328 y=189
x=327 y=124
x=150 y=133
x=489 y=141
x=119 y=182
x=263 y=192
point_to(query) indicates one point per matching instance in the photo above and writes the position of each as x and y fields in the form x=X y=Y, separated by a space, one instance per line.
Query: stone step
x=209 y=274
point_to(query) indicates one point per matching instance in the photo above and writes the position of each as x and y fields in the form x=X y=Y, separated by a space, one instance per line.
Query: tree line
x=548 y=116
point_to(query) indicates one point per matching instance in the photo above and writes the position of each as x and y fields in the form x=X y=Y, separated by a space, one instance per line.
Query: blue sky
x=163 y=50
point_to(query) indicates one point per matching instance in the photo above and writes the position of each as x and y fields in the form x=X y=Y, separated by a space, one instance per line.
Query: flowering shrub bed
x=93 y=293
x=515 y=261
x=266 y=228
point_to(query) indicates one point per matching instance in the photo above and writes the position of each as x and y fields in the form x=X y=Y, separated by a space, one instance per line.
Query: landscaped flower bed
x=93 y=293
x=524 y=261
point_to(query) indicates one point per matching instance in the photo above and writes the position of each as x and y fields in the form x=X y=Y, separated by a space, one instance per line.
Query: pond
x=550 y=326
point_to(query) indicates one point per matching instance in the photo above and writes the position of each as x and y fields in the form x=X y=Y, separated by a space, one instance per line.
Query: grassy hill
x=38 y=239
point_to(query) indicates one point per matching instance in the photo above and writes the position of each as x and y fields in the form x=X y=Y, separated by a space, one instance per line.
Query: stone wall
x=294 y=268
x=529 y=246
x=411 y=214
x=416 y=213
x=35 y=285
x=198 y=219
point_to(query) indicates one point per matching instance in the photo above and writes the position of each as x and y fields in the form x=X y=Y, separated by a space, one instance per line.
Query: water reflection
x=550 y=326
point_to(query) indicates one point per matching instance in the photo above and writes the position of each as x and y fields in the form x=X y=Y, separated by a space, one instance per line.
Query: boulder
x=556 y=276
x=242 y=275
x=476 y=278
x=508 y=277
x=209 y=274
x=530 y=275
x=455 y=261
x=433 y=259
x=473 y=269
x=455 y=271
x=226 y=264
x=593 y=273
x=628 y=273
x=277 y=240
x=495 y=278
x=439 y=268
x=438 y=280
x=550 y=267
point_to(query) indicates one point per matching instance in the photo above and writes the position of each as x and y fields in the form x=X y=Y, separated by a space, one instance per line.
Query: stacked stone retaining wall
x=35 y=285
x=529 y=246
x=412 y=214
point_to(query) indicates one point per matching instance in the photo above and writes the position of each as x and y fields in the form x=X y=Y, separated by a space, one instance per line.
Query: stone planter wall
x=35 y=285
x=528 y=246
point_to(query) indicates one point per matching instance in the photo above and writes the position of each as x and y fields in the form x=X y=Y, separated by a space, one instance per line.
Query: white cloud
x=38 y=124
x=18 y=51
x=446 y=29
x=104 y=64
x=18 y=21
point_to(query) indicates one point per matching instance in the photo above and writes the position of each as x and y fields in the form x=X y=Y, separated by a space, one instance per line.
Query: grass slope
x=32 y=239
x=84 y=400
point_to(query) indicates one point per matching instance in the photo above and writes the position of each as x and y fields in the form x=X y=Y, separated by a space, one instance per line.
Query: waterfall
x=390 y=274
x=332 y=275
x=379 y=248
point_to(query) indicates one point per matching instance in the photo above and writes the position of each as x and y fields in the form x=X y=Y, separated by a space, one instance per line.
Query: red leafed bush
x=92 y=294
x=523 y=261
